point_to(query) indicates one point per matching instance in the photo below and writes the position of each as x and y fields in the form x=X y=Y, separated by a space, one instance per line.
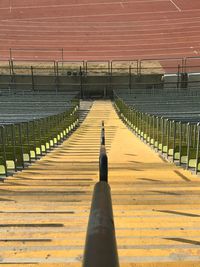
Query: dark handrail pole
x=102 y=134
x=101 y=246
x=103 y=159
x=103 y=165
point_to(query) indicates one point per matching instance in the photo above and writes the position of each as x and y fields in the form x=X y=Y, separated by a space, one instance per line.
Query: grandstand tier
x=45 y=208
x=168 y=120
x=31 y=124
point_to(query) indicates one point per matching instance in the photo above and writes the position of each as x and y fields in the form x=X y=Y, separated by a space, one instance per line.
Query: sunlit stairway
x=44 y=209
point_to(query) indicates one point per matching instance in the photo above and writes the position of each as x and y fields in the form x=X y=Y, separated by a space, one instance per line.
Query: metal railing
x=59 y=54
x=58 y=64
x=31 y=125
x=177 y=138
x=100 y=245
x=103 y=159
x=99 y=77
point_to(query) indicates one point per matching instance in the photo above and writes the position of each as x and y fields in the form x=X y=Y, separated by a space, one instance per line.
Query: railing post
x=180 y=141
x=32 y=79
x=130 y=78
x=62 y=55
x=188 y=144
x=12 y=75
x=198 y=145
x=178 y=76
x=10 y=53
x=81 y=82
x=4 y=148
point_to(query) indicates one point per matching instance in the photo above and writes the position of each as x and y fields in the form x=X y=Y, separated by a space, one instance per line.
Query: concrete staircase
x=44 y=209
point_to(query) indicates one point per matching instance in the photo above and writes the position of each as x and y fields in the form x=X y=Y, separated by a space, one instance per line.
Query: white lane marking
x=121 y=4
x=99 y=33
x=106 y=24
x=106 y=32
x=93 y=15
x=52 y=46
x=84 y=4
x=95 y=29
x=110 y=23
x=104 y=29
x=178 y=8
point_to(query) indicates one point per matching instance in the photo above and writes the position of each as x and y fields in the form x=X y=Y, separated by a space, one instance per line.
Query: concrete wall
x=91 y=86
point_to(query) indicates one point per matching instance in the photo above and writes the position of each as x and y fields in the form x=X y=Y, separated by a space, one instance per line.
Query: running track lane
x=100 y=29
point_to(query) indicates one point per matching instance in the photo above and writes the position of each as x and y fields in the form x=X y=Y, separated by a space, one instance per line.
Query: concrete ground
x=45 y=208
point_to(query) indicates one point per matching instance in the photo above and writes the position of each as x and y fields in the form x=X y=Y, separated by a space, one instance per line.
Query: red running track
x=99 y=29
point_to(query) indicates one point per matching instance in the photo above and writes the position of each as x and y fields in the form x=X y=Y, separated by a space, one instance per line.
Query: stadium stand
x=47 y=224
x=31 y=123
x=168 y=120
x=45 y=207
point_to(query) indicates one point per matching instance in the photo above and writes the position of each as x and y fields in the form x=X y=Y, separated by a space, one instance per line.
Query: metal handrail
x=103 y=159
x=100 y=245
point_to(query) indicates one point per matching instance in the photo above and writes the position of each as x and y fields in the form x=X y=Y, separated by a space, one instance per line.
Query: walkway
x=44 y=209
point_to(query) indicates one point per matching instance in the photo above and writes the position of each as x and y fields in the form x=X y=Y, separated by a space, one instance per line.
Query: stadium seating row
x=32 y=125
x=169 y=123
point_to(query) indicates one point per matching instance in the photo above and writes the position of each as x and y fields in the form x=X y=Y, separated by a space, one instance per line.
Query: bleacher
x=168 y=120
x=32 y=123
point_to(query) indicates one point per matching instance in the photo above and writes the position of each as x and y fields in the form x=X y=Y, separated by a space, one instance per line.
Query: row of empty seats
x=168 y=122
x=183 y=80
x=31 y=123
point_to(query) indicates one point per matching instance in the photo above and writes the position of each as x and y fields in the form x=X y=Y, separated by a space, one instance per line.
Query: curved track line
x=137 y=22
x=92 y=15
x=77 y=5
x=127 y=25
x=151 y=28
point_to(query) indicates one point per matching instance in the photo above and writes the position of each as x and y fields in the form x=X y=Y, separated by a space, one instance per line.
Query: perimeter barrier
x=170 y=65
x=99 y=77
